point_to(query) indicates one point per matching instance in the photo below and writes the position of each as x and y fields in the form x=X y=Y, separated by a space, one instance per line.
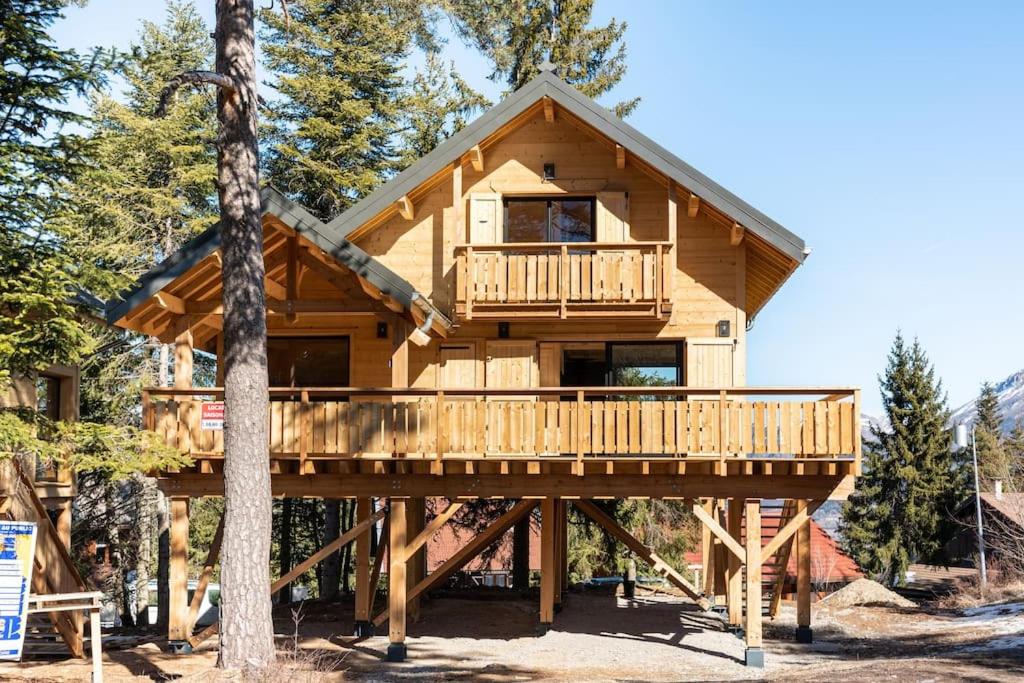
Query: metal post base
x=754 y=658
x=397 y=652
x=180 y=647
x=543 y=628
x=364 y=629
x=804 y=634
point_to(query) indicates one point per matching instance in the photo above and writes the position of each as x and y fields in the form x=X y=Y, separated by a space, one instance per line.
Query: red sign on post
x=212 y=416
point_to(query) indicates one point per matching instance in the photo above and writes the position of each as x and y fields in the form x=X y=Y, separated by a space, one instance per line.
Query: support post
x=707 y=556
x=397 y=580
x=178 y=626
x=721 y=553
x=563 y=570
x=559 y=552
x=754 y=654
x=364 y=591
x=548 y=523
x=734 y=570
x=415 y=565
x=803 y=580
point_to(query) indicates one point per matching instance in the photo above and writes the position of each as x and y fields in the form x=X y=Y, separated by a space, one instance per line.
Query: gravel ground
x=607 y=638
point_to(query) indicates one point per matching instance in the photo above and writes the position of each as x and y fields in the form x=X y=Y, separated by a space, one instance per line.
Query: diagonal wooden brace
x=649 y=556
x=303 y=567
x=786 y=532
x=724 y=536
x=467 y=552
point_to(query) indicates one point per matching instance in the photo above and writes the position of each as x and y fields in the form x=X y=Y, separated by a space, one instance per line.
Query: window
x=623 y=364
x=549 y=219
x=308 y=361
x=644 y=365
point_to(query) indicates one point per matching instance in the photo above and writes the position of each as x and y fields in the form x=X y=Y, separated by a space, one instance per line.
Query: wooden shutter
x=485 y=218
x=710 y=362
x=458 y=367
x=612 y=217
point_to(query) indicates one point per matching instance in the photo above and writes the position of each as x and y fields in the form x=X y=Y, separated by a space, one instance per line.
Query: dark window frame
x=548 y=199
x=346 y=338
x=610 y=368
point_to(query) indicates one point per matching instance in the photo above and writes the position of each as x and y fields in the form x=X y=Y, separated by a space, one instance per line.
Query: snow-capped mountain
x=1010 y=393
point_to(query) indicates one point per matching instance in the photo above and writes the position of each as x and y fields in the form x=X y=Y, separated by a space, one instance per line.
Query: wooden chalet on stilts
x=486 y=325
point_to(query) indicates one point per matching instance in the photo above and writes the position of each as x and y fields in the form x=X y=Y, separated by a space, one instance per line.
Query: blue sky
x=889 y=138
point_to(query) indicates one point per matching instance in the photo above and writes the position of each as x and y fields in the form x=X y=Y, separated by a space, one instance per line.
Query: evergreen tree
x=338 y=66
x=150 y=182
x=902 y=508
x=517 y=36
x=993 y=455
x=438 y=104
x=44 y=261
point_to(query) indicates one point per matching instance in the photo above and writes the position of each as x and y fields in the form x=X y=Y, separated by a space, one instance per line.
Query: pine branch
x=169 y=92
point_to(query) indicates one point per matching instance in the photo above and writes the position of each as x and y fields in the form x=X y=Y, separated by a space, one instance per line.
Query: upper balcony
x=564 y=280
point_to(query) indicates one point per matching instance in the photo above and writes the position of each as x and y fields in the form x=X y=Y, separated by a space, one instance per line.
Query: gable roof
x=295 y=217
x=599 y=118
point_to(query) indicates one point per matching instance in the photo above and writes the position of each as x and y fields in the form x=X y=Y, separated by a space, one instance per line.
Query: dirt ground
x=607 y=638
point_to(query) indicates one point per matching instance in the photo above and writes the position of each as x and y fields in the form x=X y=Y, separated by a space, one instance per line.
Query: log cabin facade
x=550 y=308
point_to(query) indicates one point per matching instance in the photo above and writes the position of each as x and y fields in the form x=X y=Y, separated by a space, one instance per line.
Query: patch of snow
x=994 y=611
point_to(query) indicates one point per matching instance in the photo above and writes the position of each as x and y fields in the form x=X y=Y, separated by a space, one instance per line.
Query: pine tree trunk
x=284 y=555
x=332 y=565
x=246 y=625
x=521 y=554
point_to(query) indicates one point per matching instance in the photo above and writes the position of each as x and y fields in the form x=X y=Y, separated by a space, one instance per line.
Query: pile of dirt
x=865 y=592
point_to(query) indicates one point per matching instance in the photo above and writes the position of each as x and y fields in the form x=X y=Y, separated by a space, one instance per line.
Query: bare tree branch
x=191 y=78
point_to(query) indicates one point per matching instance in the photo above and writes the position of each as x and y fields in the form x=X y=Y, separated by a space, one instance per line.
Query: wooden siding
x=708 y=281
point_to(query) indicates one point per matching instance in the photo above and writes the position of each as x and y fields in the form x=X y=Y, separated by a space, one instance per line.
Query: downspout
x=421 y=335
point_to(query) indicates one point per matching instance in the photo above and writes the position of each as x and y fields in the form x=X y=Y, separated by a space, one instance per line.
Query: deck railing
x=552 y=422
x=563 y=279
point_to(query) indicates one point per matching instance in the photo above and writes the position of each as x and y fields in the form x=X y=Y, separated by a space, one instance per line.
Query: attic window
x=549 y=219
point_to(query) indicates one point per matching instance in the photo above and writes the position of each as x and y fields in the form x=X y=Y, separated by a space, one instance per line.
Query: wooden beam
x=430 y=529
x=292 y=275
x=378 y=562
x=476 y=158
x=456 y=486
x=736 y=234
x=178 y=608
x=620 y=157
x=724 y=536
x=707 y=555
x=206 y=575
x=183 y=353
x=803 y=514
x=548 y=539
x=803 y=573
x=288 y=307
x=649 y=556
x=734 y=569
x=405 y=207
x=169 y=302
x=549 y=109
x=692 y=205
x=396 y=573
x=274 y=289
x=329 y=549
x=752 y=628
x=364 y=508
x=458 y=560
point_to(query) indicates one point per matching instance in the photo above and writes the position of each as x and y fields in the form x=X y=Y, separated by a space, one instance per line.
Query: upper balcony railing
x=590 y=423
x=564 y=279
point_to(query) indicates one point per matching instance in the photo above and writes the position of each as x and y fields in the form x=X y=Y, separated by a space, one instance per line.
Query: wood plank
x=720 y=533
x=752 y=630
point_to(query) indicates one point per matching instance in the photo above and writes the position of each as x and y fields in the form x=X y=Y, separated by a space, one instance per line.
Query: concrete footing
x=754 y=657
x=397 y=652
x=804 y=634
x=179 y=647
x=543 y=628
